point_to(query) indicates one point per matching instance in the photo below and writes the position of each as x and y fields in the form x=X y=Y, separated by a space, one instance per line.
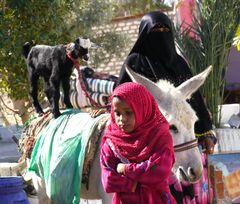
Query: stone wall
x=11 y=110
x=129 y=27
x=125 y=25
x=225 y=188
x=8 y=115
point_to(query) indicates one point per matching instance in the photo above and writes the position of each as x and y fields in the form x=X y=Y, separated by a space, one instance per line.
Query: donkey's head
x=181 y=117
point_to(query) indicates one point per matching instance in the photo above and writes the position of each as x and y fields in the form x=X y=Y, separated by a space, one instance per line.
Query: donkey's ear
x=152 y=87
x=190 y=86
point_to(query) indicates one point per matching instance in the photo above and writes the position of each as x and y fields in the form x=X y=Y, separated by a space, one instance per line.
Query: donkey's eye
x=173 y=128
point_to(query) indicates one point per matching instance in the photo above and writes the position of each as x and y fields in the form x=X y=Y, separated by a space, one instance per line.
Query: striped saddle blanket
x=99 y=87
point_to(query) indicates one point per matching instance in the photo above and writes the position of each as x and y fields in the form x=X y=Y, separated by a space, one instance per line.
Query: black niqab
x=156 y=45
x=154 y=56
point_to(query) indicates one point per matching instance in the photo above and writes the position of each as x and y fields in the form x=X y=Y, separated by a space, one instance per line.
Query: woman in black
x=154 y=56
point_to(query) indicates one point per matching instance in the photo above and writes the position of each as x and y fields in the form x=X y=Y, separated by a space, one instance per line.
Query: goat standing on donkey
x=55 y=64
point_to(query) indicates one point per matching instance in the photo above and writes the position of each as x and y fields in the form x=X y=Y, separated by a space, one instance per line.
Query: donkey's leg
x=94 y=181
x=47 y=90
x=106 y=197
x=39 y=185
x=66 y=91
x=96 y=190
x=33 y=79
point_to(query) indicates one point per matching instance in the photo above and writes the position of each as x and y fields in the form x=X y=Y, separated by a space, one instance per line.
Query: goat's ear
x=77 y=41
x=190 y=86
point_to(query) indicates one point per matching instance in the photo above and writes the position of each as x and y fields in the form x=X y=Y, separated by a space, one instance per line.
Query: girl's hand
x=120 y=168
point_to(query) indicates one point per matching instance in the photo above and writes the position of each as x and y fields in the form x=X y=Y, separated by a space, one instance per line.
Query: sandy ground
x=8 y=148
x=8 y=152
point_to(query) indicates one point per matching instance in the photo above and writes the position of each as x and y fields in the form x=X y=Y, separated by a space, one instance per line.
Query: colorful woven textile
x=100 y=86
x=98 y=89
x=79 y=100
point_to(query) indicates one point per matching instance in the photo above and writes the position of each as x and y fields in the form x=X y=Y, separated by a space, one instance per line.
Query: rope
x=209 y=179
x=81 y=81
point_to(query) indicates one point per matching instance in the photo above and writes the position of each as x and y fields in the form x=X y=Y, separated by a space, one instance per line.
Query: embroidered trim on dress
x=122 y=159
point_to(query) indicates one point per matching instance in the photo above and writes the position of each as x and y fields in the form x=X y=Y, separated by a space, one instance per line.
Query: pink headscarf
x=151 y=130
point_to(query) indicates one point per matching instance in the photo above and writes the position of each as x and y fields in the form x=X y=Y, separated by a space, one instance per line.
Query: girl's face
x=124 y=115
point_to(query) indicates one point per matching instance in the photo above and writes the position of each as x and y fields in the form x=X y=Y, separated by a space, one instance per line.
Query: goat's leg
x=47 y=90
x=34 y=93
x=55 y=96
x=66 y=91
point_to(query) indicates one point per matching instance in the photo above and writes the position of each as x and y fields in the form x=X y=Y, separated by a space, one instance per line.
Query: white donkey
x=181 y=117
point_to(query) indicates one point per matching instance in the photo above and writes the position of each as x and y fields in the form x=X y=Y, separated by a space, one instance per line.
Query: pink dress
x=151 y=177
x=197 y=193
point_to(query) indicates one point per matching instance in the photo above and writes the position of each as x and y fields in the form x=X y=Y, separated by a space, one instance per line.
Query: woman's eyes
x=129 y=113
x=117 y=113
x=160 y=28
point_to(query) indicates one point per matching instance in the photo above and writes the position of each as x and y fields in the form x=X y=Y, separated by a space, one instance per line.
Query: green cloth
x=58 y=155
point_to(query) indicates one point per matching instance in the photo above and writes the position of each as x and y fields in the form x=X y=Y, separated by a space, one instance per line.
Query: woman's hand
x=208 y=142
x=96 y=112
x=120 y=168
x=208 y=145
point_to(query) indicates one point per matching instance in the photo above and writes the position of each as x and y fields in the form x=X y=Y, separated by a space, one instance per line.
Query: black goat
x=55 y=64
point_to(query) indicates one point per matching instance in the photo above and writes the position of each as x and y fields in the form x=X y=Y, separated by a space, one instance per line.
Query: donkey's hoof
x=56 y=115
x=69 y=106
x=40 y=114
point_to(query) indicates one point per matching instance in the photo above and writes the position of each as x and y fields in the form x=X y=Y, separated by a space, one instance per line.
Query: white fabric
x=227 y=110
x=228 y=140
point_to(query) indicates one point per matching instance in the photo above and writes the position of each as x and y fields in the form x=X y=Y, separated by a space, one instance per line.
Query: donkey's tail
x=26 y=49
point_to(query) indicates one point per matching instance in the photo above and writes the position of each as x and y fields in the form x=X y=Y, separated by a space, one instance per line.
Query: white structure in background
x=228 y=136
x=8 y=148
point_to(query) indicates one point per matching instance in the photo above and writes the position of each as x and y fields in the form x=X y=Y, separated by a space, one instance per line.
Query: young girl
x=137 y=149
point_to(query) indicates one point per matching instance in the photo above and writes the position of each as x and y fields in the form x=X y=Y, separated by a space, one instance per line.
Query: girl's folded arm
x=158 y=166
x=113 y=181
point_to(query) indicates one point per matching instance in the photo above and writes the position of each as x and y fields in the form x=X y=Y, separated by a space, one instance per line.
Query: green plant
x=49 y=22
x=214 y=30
x=236 y=39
